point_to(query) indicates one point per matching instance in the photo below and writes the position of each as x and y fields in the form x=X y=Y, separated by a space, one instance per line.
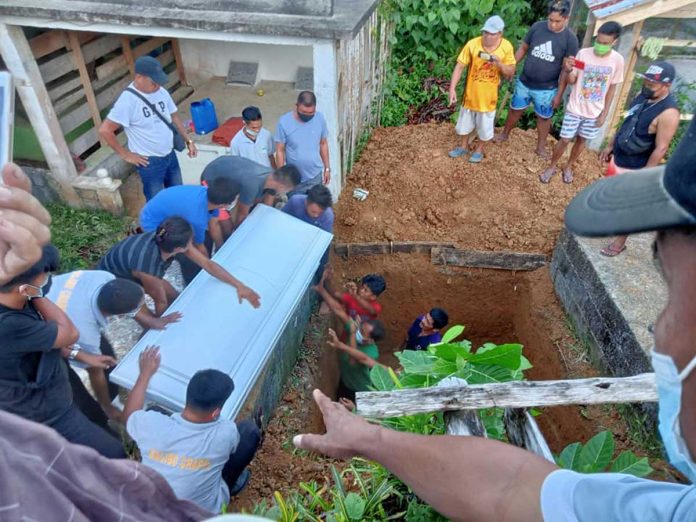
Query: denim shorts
x=542 y=98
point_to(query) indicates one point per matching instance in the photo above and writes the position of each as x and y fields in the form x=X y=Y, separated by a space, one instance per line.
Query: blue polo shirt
x=567 y=496
x=297 y=206
x=187 y=201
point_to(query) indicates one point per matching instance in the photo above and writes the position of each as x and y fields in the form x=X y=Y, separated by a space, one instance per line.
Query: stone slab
x=305 y=79
x=242 y=73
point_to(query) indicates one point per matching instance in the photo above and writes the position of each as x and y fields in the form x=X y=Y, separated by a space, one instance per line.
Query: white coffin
x=275 y=254
x=192 y=168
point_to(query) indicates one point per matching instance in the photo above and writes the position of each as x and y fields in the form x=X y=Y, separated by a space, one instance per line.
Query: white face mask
x=252 y=133
x=669 y=390
x=359 y=336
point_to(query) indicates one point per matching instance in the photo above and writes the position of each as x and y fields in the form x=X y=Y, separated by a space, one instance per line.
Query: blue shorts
x=542 y=98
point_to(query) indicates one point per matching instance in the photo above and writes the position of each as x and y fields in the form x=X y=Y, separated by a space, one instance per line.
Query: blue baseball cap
x=651 y=199
x=150 y=67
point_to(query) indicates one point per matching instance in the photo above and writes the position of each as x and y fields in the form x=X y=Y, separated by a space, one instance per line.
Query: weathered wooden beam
x=629 y=73
x=464 y=423
x=122 y=60
x=47 y=42
x=392 y=247
x=483 y=259
x=179 y=61
x=127 y=54
x=64 y=63
x=79 y=60
x=523 y=431
x=518 y=394
x=645 y=11
x=20 y=61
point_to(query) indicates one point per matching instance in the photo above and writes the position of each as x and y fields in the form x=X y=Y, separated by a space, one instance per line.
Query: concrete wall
x=292 y=7
x=205 y=59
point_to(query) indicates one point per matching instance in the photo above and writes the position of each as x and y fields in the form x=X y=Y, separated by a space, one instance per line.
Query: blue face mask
x=669 y=390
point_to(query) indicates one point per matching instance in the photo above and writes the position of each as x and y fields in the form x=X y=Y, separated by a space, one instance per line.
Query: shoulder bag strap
x=153 y=109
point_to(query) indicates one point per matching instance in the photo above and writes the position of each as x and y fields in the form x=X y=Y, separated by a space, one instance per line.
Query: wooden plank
x=79 y=60
x=58 y=91
x=97 y=86
x=19 y=60
x=81 y=113
x=121 y=61
x=465 y=423
x=688 y=11
x=483 y=259
x=127 y=54
x=393 y=247
x=179 y=61
x=518 y=394
x=523 y=431
x=55 y=39
x=64 y=63
x=629 y=73
x=643 y=12
x=679 y=43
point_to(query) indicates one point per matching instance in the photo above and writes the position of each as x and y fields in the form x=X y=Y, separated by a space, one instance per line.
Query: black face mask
x=647 y=92
x=305 y=117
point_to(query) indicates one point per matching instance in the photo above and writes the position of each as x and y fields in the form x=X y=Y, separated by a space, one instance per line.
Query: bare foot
x=543 y=154
x=500 y=138
x=546 y=176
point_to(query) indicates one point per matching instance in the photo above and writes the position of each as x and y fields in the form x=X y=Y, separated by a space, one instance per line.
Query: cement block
x=41 y=187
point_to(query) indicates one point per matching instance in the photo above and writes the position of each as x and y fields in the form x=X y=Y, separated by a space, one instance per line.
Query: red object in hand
x=579 y=64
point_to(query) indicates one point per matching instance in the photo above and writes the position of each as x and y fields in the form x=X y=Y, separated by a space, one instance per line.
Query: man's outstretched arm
x=464 y=478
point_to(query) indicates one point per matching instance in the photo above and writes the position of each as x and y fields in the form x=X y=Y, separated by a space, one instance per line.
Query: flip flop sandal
x=610 y=252
x=476 y=157
x=458 y=152
x=546 y=176
x=567 y=176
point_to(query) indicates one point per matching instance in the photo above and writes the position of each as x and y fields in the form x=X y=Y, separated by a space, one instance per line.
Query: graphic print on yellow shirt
x=483 y=77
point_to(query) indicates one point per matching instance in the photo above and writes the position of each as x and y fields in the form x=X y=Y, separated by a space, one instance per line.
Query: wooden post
x=179 y=61
x=629 y=73
x=79 y=60
x=589 y=32
x=20 y=61
x=518 y=394
x=128 y=54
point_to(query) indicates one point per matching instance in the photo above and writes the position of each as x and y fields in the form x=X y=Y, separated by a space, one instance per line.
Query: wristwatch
x=327 y=168
x=73 y=353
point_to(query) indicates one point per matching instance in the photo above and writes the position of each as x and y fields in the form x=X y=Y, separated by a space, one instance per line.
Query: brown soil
x=418 y=193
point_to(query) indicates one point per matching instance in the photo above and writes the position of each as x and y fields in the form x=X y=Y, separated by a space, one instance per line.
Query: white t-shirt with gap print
x=147 y=134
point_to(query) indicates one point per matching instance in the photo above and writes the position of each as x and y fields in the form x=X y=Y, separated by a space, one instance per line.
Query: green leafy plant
x=83 y=236
x=597 y=455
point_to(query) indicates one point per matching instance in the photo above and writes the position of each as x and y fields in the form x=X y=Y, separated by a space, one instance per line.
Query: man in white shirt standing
x=253 y=141
x=150 y=139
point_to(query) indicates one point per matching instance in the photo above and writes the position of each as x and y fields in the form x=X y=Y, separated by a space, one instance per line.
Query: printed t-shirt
x=187 y=201
x=483 y=78
x=76 y=294
x=544 y=59
x=138 y=253
x=257 y=151
x=297 y=206
x=147 y=134
x=249 y=176
x=301 y=141
x=590 y=89
x=354 y=309
x=189 y=455
x=421 y=342
x=33 y=376
x=354 y=375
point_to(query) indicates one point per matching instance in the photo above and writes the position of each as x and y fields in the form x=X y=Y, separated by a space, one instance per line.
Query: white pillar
x=326 y=91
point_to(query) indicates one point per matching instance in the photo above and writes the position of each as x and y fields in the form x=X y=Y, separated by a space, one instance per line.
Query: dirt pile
x=418 y=193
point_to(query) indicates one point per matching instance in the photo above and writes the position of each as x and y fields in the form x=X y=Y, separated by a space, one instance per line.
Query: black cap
x=150 y=67
x=650 y=199
x=660 y=71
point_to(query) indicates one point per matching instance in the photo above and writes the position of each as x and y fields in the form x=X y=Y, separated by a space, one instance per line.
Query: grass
x=83 y=236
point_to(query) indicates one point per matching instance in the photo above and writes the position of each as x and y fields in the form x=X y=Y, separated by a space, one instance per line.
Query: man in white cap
x=473 y=478
x=147 y=113
x=488 y=57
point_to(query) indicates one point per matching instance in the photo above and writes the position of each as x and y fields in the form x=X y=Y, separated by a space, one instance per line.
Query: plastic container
x=203 y=115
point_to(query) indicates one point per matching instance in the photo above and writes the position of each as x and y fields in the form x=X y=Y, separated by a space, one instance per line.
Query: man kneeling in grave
x=203 y=457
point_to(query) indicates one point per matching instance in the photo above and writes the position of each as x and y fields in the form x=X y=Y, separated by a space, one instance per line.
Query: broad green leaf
x=486 y=347
x=394 y=377
x=452 y=333
x=355 y=506
x=492 y=419
x=461 y=362
x=381 y=380
x=485 y=7
x=444 y=368
x=416 y=361
x=505 y=355
x=629 y=462
x=596 y=454
x=524 y=363
x=411 y=380
x=448 y=352
x=484 y=374
x=570 y=456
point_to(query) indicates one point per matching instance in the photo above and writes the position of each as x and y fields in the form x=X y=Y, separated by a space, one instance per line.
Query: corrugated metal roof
x=273 y=253
x=604 y=8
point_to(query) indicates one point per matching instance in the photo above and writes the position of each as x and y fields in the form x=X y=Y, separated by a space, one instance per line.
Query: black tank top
x=634 y=134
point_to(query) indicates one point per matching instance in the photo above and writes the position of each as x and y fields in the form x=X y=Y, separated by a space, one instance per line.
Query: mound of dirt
x=418 y=193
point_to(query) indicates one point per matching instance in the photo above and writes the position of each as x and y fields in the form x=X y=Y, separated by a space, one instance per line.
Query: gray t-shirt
x=249 y=175
x=189 y=455
x=301 y=140
x=544 y=59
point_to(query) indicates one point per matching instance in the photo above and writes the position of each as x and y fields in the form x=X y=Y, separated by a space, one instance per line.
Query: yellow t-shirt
x=483 y=77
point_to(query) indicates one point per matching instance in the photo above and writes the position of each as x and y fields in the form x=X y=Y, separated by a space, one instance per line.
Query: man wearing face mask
x=301 y=140
x=253 y=141
x=472 y=478
x=594 y=74
x=646 y=133
x=36 y=338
